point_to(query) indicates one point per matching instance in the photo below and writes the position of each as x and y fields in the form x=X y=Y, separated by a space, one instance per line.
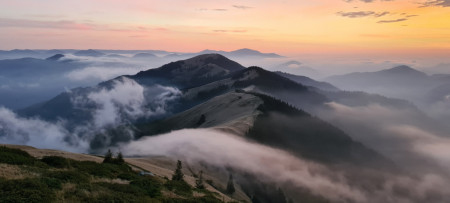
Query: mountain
x=399 y=82
x=26 y=81
x=397 y=76
x=269 y=121
x=240 y=53
x=195 y=71
x=308 y=81
x=179 y=86
x=144 y=55
x=89 y=52
x=55 y=57
x=19 y=53
x=252 y=53
x=32 y=67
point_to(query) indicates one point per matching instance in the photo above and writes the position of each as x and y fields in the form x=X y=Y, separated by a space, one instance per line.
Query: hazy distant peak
x=289 y=63
x=55 y=57
x=144 y=55
x=404 y=70
x=251 y=52
x=89 y=52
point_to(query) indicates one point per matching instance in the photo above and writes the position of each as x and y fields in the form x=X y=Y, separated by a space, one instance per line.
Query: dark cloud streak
x=361 y=14
x=438 y=3
x=392 y=21
x=242 y=7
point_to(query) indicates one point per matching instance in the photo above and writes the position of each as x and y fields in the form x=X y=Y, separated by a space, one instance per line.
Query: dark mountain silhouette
x=182 y=74
x=55 y=57
x=191 y=72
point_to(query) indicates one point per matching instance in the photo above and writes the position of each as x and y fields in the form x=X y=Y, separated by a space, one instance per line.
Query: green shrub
x=25 y=190
x=128 y=176
x=148 y=184
x=68 y=176
x=113 y=192
x=104 y=170
x=179 y=187
x=56 y=161
x=52 y=182
x=15 y=156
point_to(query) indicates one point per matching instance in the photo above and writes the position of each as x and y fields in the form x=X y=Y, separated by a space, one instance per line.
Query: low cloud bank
x=98 y=73
x=281 y=168
x=38 y=133
x=399 y=134
x=225 y=150
x=110 y=107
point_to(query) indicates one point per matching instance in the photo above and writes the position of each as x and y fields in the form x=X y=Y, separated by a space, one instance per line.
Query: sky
x=347 y=27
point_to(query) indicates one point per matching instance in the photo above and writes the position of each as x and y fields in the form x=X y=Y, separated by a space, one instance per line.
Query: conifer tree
x=281 y=198
x=108 y=157
x=178 y=174
x=199 y=181
x=230 y=185
x=119 y=158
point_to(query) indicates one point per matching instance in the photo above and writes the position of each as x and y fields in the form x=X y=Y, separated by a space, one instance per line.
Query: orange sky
x=285 y=26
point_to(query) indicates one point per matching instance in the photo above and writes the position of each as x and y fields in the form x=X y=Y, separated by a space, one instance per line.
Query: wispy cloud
x=213 y=9
x=366 y=1
x=392 y=21
x=235 y=31
x=242 y=7
x=73 y=25
x=439 y=3
x=360 y=14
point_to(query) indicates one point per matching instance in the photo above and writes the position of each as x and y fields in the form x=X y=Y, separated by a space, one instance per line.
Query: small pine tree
x=119 y=158
x=199 y=181
x=230 y=185
x=280 y=196
x=178 y=174
x=108 y=157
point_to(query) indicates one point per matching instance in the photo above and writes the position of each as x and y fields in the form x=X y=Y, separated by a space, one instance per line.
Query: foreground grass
x=58 y=179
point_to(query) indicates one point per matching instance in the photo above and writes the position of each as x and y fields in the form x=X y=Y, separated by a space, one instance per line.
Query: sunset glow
x=291 y=27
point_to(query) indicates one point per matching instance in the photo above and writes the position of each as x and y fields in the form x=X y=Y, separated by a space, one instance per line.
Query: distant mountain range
x=142 y=54
x=401 y=82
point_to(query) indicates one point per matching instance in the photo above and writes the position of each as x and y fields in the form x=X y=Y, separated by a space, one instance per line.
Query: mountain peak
x=144 y=55
x=216 y=59
x=251 y=52
x=404 y=69
x=193 y=71
x=55 y=57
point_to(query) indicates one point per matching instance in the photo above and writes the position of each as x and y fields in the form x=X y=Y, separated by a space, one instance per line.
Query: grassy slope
x=25 y=178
